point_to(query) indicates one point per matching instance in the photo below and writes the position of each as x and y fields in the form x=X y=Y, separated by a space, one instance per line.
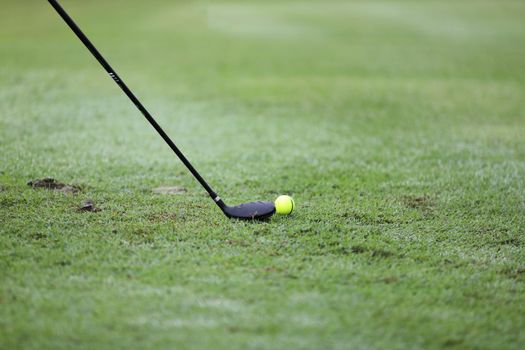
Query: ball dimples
x=284 y=205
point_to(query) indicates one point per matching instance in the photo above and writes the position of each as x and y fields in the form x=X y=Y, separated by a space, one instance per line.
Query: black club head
x=250 y=211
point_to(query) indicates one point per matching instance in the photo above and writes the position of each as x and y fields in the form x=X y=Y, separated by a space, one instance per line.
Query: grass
x=397 y=126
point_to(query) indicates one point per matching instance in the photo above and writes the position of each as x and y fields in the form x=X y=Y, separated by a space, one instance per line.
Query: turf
x=397 y=126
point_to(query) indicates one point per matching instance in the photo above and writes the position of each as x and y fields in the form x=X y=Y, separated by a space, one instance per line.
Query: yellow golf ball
x=284 y=205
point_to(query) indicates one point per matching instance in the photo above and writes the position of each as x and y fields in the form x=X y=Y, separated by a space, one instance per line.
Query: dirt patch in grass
x=423 y=203
x=51 y=184
x=88 y=205
x=389 y=279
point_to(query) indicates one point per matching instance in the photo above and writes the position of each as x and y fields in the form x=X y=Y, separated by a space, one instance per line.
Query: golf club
x=247 y=211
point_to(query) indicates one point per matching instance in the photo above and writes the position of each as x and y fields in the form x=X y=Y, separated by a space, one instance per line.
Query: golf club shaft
x=132 y=97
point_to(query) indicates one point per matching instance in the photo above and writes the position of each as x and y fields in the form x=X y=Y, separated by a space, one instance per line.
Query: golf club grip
x=130 y=94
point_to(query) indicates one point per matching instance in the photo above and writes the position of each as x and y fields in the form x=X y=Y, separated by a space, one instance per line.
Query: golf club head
x=250 y=211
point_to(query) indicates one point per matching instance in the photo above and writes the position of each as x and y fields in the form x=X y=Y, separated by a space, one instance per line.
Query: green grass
x=397 y=126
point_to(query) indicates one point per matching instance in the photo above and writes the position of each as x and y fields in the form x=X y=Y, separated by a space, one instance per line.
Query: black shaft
x=131 y=96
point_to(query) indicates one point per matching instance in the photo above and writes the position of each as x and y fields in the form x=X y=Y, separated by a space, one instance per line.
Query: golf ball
x=284 y=205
